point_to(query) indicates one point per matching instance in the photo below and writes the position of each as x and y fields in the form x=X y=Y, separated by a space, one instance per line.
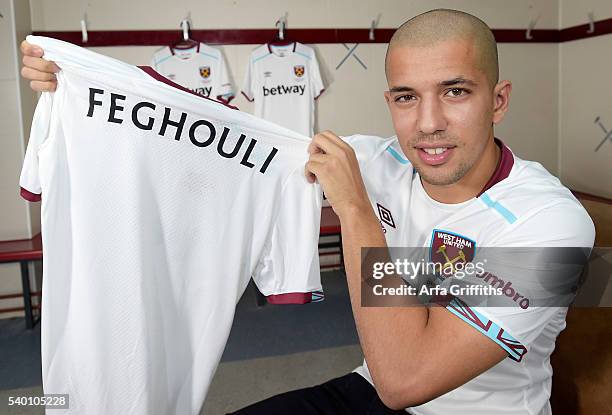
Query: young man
x=443 y=177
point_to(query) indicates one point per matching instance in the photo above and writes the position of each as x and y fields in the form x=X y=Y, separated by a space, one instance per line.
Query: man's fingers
x=328 y=142
x=36 y=75
x=29 y=49
x=40 y=64
x=41 y=86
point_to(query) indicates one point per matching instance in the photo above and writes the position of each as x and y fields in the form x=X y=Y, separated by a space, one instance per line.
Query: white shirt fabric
x=151 y=233
x=523 y=206
x=284 y=81
x=200 y=68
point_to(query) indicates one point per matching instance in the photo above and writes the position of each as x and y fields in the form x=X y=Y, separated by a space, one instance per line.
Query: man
x=443 y=176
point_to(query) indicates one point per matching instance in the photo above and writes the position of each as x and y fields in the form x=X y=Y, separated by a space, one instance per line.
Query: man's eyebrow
x=455 y=81
x=458 y=81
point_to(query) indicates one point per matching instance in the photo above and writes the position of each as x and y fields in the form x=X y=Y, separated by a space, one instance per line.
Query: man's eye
x=404 y=98
x=457 y=92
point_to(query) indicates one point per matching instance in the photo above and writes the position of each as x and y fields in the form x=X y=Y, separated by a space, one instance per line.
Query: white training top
x=200 y=68
x=523 y=205
x=158 y=205
x=284 y=81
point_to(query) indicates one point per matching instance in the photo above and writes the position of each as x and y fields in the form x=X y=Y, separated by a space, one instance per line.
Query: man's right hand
x=40 y=72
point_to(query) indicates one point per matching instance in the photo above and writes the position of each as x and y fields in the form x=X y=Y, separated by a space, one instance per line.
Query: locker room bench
x=23 y=251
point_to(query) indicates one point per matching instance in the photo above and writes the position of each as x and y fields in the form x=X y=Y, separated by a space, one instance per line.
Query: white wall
x=585 y=94
x=17 y=219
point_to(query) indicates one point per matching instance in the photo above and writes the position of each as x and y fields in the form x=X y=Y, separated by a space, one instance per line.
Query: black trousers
x=347 y=395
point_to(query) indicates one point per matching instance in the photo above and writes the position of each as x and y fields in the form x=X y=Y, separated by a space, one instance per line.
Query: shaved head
x=441 y=25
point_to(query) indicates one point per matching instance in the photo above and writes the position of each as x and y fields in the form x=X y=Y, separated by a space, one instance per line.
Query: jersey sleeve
x=288 y=272
x=315 y=77
x=225 y=91
x=540 y=286
x=29 y=180
x=248 y=89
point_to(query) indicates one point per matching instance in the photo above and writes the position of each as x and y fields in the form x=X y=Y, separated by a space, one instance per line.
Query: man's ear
x=387 y=97
x=501 y=100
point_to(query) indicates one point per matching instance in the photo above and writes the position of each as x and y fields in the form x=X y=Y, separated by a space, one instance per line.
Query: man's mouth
x=434 y=156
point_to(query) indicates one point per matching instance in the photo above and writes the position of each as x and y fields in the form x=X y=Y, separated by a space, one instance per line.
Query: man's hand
x=334 y=164
x=40 y=72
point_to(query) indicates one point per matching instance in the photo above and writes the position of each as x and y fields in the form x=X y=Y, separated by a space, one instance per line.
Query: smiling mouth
x=435 y=156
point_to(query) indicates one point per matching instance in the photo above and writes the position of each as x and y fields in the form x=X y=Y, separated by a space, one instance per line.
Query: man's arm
x=414 y=354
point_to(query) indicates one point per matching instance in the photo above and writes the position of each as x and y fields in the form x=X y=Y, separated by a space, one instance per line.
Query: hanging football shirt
x=200 y=68
x=284 y=81
x=158 y=205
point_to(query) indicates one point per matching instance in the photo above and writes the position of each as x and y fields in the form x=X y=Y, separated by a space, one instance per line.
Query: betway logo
x=283 y=90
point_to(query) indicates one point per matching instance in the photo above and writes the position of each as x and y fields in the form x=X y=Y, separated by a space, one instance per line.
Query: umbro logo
x=385 y=216
x=267 y=74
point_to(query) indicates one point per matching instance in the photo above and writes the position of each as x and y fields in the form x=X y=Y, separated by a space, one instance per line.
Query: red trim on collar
x=158 y=77
x=506 y=161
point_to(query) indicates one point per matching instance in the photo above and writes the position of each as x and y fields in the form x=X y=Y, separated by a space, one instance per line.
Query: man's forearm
x=378 y=326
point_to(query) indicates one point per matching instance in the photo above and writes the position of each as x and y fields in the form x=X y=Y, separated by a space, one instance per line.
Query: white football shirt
x=284 y=81
x=158 y=205
x=523 y=205
x=200 y=68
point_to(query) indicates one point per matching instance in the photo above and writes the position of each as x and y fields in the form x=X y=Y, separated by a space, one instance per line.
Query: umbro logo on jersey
x=385 y=216
x=205 y=72
x=267 y=74
x=171 y=76
x=299 y=70
x=284 y=90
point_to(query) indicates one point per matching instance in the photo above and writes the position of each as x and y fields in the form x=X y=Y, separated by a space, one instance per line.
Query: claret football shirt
x=158 y=206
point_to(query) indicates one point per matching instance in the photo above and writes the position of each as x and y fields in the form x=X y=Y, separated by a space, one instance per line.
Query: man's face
x=442 y=106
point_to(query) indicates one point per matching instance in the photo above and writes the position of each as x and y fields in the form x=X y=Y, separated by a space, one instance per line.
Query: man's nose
x=431 y=116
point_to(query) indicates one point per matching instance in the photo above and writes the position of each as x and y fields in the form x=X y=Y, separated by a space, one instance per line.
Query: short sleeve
x=315 y=77
x=537 y=269
x=29 y=179
x=225 y=91
x=288 y=271
x=248 y=87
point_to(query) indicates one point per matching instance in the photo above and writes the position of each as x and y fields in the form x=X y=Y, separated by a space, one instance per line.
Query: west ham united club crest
x=449 y=249
x=299 y=70
x=205 y=72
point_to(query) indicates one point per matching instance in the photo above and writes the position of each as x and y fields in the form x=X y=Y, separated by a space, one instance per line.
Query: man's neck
x=472 y=183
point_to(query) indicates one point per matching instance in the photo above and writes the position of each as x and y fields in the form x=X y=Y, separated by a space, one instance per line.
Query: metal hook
x=280 y=23
x=185 y=27
x=528 y=35
x=84 y=34
x=591 y=23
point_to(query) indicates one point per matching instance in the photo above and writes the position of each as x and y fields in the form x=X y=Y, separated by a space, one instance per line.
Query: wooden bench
x=23 y=251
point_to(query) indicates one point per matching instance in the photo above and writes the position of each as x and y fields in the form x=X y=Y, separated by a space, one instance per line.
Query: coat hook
x=84 y=34
x=185 y=27
x=591 y=23
x=372 y=27
x=280 y=23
